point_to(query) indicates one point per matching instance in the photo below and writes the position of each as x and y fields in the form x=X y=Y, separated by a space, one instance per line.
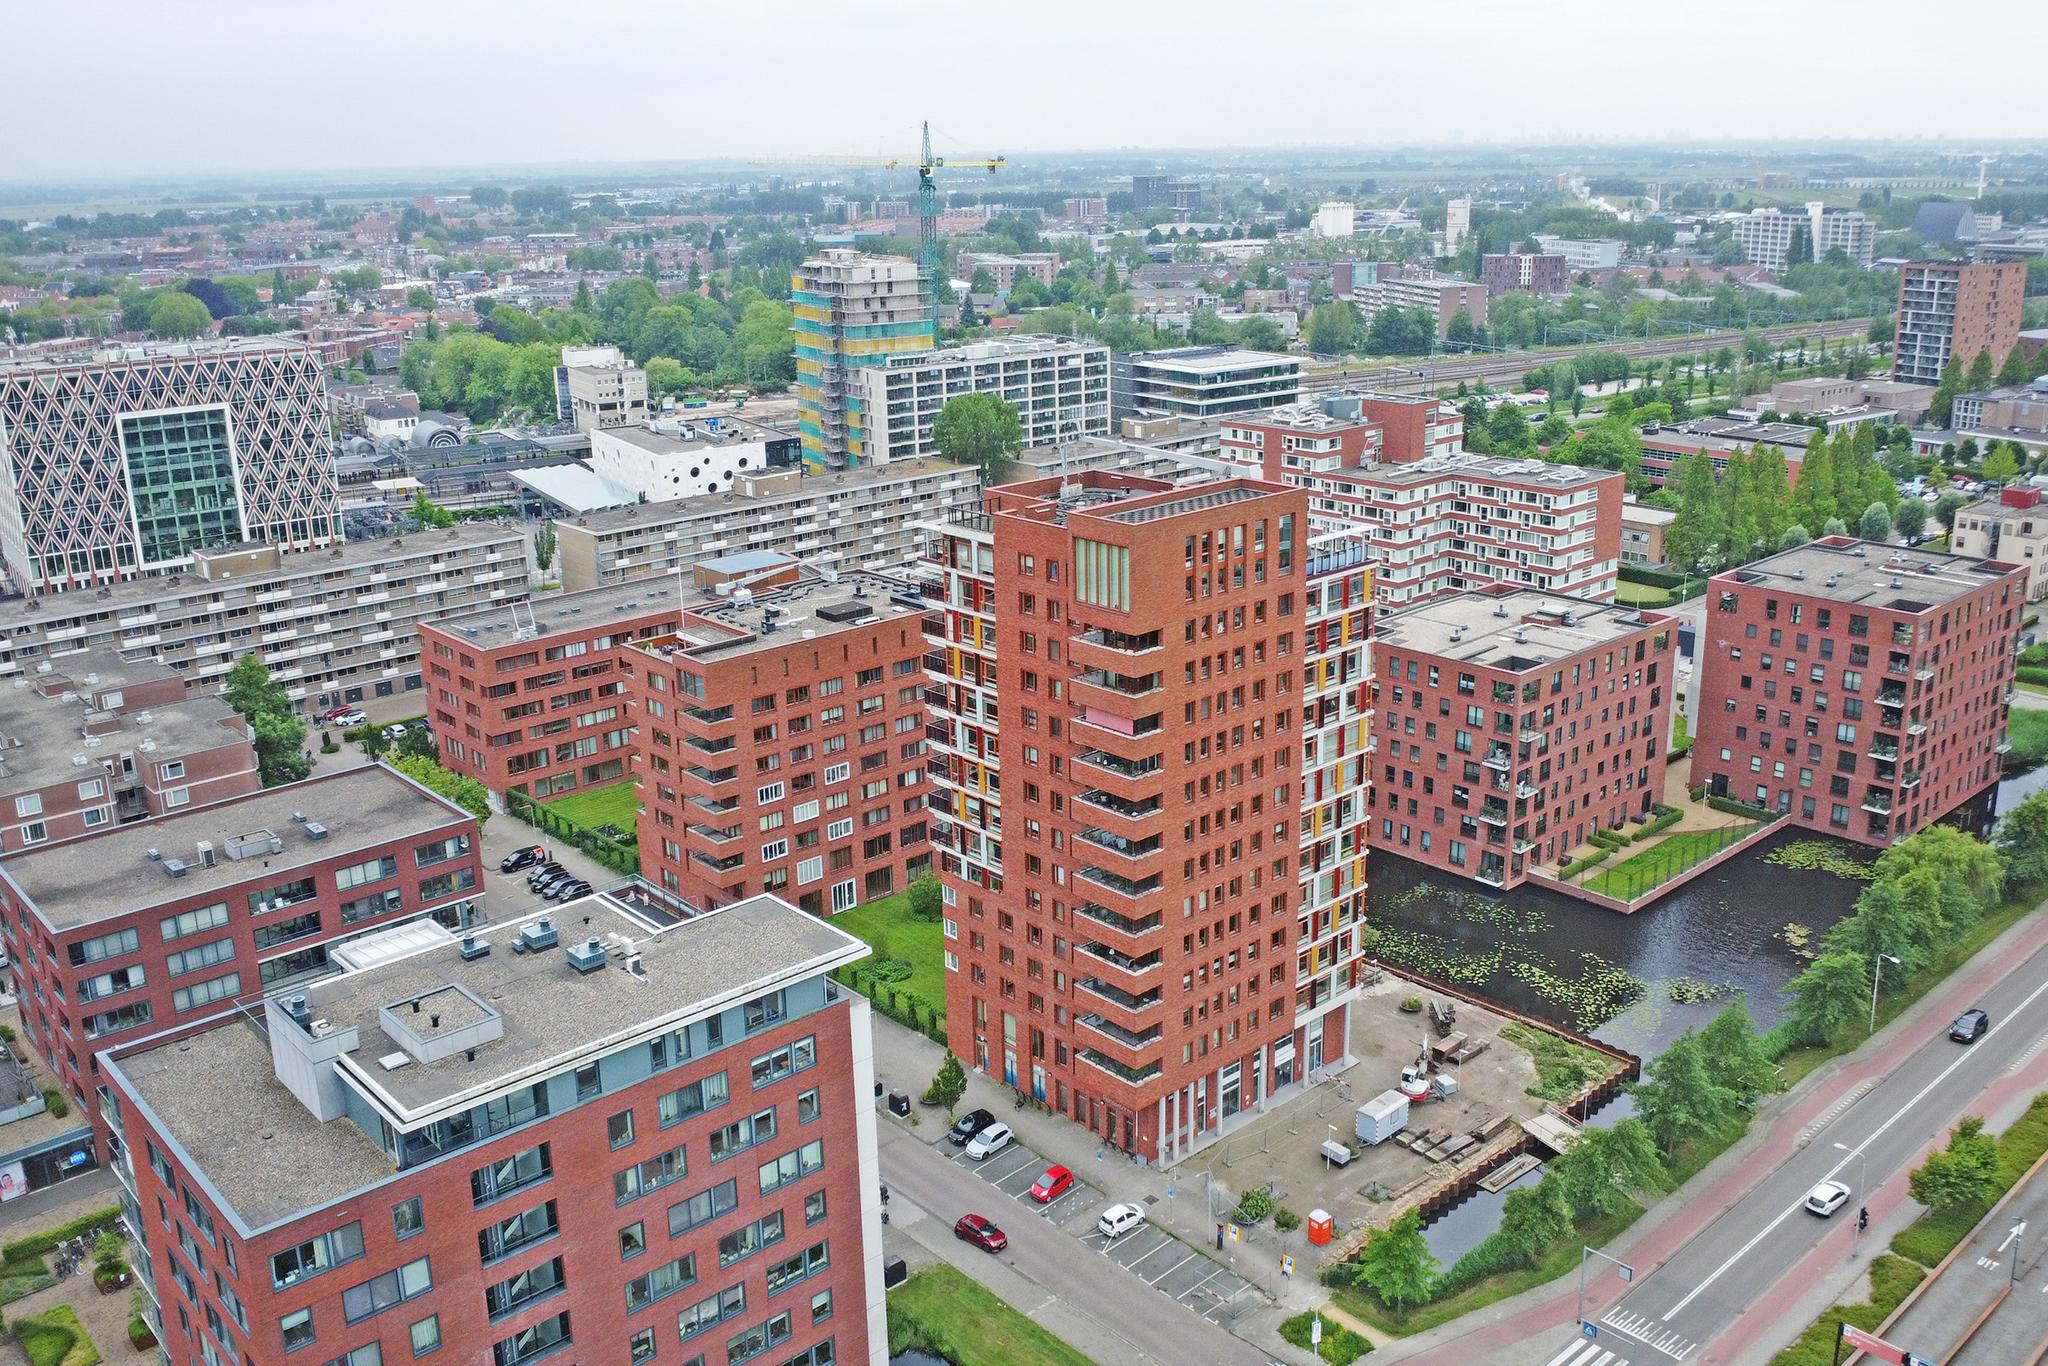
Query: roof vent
x=1521 y=636
x=1898 y=582
x=1500 y=609
x=391 y=1062
x=315 y=830
x=298 y=818
x=152 y=854
x=1571 y=618
x=587 y=956
x=1799 y=574
x=174 y=866
x=474 y=948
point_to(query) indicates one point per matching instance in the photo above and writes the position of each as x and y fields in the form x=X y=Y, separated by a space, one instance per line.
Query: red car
x=981 y=1232
x=1055 y=1183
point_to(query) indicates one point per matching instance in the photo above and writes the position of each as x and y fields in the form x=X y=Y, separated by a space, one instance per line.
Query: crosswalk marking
x=1586 y=1354
x=1647 y=1330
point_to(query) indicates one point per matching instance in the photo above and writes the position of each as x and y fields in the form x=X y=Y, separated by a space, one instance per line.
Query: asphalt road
x=1717 y=1292
x=2003 y=1272
x=1048 y=1272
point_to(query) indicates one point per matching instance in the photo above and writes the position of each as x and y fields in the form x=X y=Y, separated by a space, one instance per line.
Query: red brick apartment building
x=1439 y=520
x=532 y=698
x=1512 y=724
x=1956 y=309
x=100 y=742
x=650 y=1140
x=1122 y=927
x=781 y=739
x=1858 y=688
x=120 y=935
x=1720 y=438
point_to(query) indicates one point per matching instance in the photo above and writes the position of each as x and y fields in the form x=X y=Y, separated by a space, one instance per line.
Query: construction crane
x=931 y=261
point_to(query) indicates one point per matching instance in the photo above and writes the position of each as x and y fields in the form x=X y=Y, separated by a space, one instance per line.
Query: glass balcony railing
x=1117 y=764
x=1122 y=962
x=1129 y=1038
x=1109 y=801
x=1133 y=887
x=1122 y=924
x=1117 y=996
x=1134 y=1075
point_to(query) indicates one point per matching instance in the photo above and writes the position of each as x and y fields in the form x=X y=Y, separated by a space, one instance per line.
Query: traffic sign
x=1588 y=1330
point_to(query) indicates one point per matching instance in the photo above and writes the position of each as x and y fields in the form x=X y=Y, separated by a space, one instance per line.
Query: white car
x=348 y=718
x=1826 y=1198
x=1118 y=1220
x=993 y=1139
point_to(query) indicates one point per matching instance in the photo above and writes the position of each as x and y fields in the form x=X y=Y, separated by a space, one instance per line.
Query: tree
x=2023 y=841
x=1259 y=333
x=980 y=430
x=1980 y=373
x=1699 y=532
x=1834 y=526
x=1794 y=537
x=1909 y=518
x=1961 y=1177
x=467 y=793
x=430 y=514
x=1607 y=1168
x=927 y=897
x=1507 y=430
x=544 y=546
x=2001 y=466
x=1833 y=990
x=279 y=735
x=1533 y=1220
x=1951 y=502
x=2014 y=371
x=1461 y=334
x=1332 y=329
x=1875 y=524
x=176 y=314
x=1941 y=407
x=949 y=1085
x=1735 y=1053
x=1396 y=1263
x=1954 y=856
x=420 y=297
x=1680 y=1098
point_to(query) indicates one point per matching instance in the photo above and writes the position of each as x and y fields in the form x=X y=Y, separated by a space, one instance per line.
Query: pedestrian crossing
x=1583 y=1353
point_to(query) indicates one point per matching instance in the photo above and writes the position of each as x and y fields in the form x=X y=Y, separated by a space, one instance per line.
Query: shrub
x=55 y=1337
x=1412 y=1005
x=1729 y=806
x=1252 y=1207
x=1340 y=1346
x=1667 y=817
x=1572 y=870
x=1286 y=1220
x=21 y=1249
x=7 y=1035
x=54 y=1101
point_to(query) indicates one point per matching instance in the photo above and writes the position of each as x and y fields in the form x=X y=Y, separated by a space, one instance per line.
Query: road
x=1510 y=366
x=1717 y=1297
x=1048 y=1273
x=1993 y=1292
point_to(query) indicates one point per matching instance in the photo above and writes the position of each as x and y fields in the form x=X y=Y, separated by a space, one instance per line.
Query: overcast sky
x=124 y=87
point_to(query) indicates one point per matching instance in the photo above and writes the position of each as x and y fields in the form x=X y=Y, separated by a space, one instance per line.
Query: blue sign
x=77 y=1158
x=1588 y=1330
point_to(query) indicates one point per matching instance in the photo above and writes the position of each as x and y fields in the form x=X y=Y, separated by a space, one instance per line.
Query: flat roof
x=1215 y=360
x=1501 y=468
x=1515 y=631
x=719 y=628
x=810 y=486
x=155 y=590
x=271 y=1159
x=116 y=355
x=82 y=881
x=50 y=735
x=1866 y=574
x=552 y=612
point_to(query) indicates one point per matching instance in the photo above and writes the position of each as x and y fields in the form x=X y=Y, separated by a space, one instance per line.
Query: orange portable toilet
x=1320 y=1227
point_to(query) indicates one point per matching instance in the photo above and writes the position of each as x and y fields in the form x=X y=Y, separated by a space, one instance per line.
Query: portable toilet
x=1321 y=1227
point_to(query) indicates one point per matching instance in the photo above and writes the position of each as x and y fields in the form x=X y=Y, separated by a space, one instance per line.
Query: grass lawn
x=615 y=803
x=1671 y=856
x=1563 y=1068
x=1340 y=1346
x=55 y=1337
x=2027 y=730
x=1641 y=594
x=894 y=932
x=943 y=1312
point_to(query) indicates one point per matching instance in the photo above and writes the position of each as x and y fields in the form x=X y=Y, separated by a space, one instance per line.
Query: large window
x=194 y=922
x=507 y=1236
x=662 y=1281
x=706 y=1093
x=181 y=482
x=515 y=1293
x=106 y=946
x=379 y=1293
x=516 y=1172
x=528 y=1343
x=332 y=1248
x=703 y=1207
x=651 y=1175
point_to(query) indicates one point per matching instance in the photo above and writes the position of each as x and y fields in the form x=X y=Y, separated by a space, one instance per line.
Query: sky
x=131 y=88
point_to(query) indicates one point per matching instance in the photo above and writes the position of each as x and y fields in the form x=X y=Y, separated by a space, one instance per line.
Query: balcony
x=1131 y=888
x=1879 y=802
x=709 y=716
x=1120 y=728
x=1911 y=778
x=1124 y=685
x=1122 y=642
x=1118 y=845
x=1528 y=735
x=722 y=745
x=1499 y=757
x=1883 y=750
x=1118 y=997
x=722 y=865
x=710 y=777
x=1123 y=962
x=1136 y=1076
x=1494 y=813
x=717 y=834
x=1123 y=768
x=1109 y=1029
x=1118 y=806
x=1891 y=695
x=1525 y=789
x=717 y=808
x=1133 y=926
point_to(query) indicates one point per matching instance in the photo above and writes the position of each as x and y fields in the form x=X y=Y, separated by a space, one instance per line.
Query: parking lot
x=1170 y=1266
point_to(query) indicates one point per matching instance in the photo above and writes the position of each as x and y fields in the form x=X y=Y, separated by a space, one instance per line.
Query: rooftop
x=547 y=613
x=810 y=486
x=110 y=355
x=1864 y=574
x=151 y=592
x=1500 y=468
x=757 y=619
x=1728 y=432
x=1300 y=417
x=82 y=881
x=50 y=742
x=1643 y=515
x=1010 y=348
x=1210 y=360
x=272 y=1159
x=1514 y=631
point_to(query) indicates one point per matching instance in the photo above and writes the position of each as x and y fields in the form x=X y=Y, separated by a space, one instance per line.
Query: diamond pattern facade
x=69 y=502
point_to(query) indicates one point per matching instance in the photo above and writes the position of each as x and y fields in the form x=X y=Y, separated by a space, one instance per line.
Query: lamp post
x=1627 y=1273
x=1877 y=967
x=1862 y=1157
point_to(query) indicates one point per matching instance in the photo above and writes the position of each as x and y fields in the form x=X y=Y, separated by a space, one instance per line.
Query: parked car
x=1970 y=1026
x=968 y=1125
x=396 y=733
x=570 y=890
x=348 y=716
x=554 y=873
x=990 y=1141
x=981 y=1232
x=1056 y=1182
x=1826 y=1198
x=523 y=858
x=1118 y=1220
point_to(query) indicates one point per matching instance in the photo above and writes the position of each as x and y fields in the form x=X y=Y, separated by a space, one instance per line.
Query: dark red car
x=1056 y=1182
x=981 y=1232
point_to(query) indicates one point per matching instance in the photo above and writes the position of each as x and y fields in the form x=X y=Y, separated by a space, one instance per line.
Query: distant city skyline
x=240 y=88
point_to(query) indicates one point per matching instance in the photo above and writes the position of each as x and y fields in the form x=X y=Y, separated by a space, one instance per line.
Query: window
x=786 y=1061
x=745 y=1241
x=106 y=946
x=758 y=1339
x=792 y=1165
x=821 y=1306
x=798 y=1266
x=763 y=1011
x=297 y=1328
x=379 y=1293
x=619 y=1129
x=440 y=851
x=30 y=805
x=742 y=1134
x=632 y=1240
x=814 y=1207
x=527 y=1343
x=516 y=1292
x=706 y=1093
x=844 y=896
x=725 y=1304
x=643 y=1346
x=406 y=1218
x=194 y=922
x=356 y=875
x=204 y=956
x=426 y=1334
x=375 y=904
x=809 y=870
x=120 y=1018
x=770 y=792
x=330 y=1249
x=703 y=1207
x=807 y=1106
x=651 y=1175
x=371 y=1355
x=661 y=1282
x=774 y=849
x=207 y=992
x=516 y=1172
x=112 y=983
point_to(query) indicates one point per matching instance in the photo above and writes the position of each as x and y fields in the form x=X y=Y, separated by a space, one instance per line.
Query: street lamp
x=1624 y=1270
x=1862 y=1156
x=1876 y=967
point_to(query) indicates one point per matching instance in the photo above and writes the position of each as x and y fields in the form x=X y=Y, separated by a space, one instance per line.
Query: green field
x=1673 y=855
x=1641 y=594
x=893 y=932
x=942 y=1312
x=617 y=803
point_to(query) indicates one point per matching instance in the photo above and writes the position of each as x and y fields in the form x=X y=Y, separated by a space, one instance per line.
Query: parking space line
x=1133 y=1266
x=1171 y=1269
x=1191 y=1290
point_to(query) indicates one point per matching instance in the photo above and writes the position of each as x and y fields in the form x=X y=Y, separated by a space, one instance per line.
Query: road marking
x=1196 y=1288
x=1988 y=1263
x=2014 y=1232
x=1584 y=1353
x=1171 y=1269
x=1898 y=1114
x=2023 y=1059
x=1645 y=1329
x=1834 y=1112
x=1133 y=1265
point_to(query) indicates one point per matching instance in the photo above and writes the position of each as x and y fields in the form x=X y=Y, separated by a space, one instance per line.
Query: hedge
x=1730 y=806
x=620 y=858
x=1667 y=816
x=1608 y=839
x=2030 y=673
x=38 y=1243
x=1572 y=870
